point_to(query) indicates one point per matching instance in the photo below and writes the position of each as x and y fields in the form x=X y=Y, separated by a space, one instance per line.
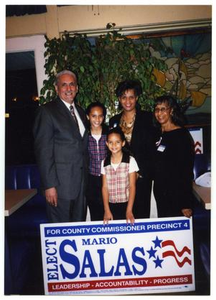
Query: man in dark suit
x=61 y=152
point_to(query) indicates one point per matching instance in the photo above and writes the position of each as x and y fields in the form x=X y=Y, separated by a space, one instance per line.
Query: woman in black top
x=173 y=160
x=137 y=127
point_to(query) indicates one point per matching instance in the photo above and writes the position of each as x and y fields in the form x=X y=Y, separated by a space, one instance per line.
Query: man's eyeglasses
x=162 y=109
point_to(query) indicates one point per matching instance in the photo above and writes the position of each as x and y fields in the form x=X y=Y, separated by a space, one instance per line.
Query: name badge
x=161 y=148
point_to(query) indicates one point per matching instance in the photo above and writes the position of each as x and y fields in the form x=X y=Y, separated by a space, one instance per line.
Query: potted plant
x=100 y=64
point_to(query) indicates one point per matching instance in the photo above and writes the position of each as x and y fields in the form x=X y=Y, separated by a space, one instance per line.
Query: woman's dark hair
x=96 y=104
x=177 y=116
x=129 y=85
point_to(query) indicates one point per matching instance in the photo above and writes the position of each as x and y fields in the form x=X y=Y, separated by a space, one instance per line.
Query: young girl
x=119 y=179
x=97 y=149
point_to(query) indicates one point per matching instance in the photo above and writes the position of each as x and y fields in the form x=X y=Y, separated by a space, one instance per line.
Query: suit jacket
x=141 y=144
x=60 y=150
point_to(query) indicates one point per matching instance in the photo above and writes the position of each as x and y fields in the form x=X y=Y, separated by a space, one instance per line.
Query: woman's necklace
x=127 y=127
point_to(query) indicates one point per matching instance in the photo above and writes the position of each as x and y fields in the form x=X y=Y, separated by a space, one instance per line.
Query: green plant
x=100 y=66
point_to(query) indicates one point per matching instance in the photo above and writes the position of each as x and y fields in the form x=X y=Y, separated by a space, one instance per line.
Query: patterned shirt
x=118 y=180
x=97 y=152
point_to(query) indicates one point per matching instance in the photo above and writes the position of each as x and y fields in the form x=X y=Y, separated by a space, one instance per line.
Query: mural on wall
x=188 y=74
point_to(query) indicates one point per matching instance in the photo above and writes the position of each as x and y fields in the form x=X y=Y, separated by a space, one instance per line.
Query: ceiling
x=21 y=10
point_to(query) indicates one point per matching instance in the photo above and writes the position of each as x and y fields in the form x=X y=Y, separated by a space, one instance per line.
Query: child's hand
x=130 y=217
x=187 y=212
x=107 y=217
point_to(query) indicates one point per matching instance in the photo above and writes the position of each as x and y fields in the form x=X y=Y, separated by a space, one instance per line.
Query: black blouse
x=173 y=168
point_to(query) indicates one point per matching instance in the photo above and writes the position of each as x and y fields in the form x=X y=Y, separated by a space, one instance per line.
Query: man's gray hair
x=63 y=73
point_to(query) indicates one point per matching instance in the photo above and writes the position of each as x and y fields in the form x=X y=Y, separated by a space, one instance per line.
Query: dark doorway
x=21 y=104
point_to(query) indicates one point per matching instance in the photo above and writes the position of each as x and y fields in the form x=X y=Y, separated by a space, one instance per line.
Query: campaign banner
x=90 y=258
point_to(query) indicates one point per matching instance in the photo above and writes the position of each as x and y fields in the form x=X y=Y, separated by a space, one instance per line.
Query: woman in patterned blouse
x=138 y=129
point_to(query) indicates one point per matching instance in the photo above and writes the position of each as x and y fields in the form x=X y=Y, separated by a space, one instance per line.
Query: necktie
x=73 y=115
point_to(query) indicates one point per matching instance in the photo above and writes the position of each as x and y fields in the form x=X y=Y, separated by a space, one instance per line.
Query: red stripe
x=171 y=243
x=119 y=283
x=180 y=263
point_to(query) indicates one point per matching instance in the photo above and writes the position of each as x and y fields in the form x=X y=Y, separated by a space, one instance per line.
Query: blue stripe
x=119 y=228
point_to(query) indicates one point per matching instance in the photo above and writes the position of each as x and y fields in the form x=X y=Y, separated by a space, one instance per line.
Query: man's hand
x=51 y=196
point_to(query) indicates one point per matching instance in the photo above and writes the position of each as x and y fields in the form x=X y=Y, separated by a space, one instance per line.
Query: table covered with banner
x=89 y=258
